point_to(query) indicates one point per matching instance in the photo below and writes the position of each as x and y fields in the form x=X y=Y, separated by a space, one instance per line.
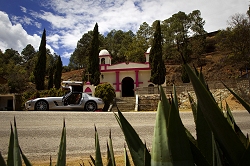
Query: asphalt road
x=39 y=132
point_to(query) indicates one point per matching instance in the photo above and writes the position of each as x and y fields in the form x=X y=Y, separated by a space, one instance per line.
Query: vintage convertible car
x=70 y=101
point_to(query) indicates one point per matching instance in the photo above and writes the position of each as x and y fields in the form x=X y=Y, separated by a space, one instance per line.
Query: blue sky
x=22 y=21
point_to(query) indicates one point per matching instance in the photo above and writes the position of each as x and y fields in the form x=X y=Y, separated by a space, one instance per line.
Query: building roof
x=103 y=52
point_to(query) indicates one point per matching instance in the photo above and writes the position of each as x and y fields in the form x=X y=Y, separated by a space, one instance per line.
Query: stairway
x=124 y=104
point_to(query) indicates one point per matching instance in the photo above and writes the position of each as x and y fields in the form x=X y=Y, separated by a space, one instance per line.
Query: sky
x=22 y=21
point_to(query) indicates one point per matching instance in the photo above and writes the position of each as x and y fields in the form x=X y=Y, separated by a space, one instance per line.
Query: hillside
x=74 y=75
x=217 y=68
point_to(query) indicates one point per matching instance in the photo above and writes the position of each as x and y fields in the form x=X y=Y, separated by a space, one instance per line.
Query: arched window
x=103 y=61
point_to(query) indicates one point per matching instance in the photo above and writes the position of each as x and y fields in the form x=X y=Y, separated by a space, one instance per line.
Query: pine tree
x=58 y=73
x=94 y=58
x=40 y=68
x=158 y=69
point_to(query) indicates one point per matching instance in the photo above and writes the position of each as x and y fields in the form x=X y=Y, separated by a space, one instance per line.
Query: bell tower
x=104 y=58
x=147 y=55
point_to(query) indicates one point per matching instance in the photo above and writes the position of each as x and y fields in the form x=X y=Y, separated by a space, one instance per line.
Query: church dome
x=148 y=50
x=103 y=52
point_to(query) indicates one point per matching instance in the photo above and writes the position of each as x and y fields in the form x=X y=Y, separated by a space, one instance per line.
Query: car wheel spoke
x=91 y=106
x=41 y=106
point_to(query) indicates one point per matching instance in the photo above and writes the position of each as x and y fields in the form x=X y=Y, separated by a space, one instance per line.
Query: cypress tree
x=50 y=81
x=158 y=69
x=40 y=68
x=58 y=73
x=94 y=58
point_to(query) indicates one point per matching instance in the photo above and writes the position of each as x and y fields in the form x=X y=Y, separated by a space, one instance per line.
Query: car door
x=72 y=101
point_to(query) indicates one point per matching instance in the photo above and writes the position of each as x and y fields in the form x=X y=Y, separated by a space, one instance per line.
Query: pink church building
x=125 y=77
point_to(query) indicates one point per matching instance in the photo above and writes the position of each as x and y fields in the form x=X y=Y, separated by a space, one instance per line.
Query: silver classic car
x=70 y=101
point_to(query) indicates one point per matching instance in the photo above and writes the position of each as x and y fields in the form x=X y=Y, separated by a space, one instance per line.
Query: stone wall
x=149 y=102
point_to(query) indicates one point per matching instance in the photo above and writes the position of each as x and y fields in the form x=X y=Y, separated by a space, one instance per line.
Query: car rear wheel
x=41 y=105
x=90 y=106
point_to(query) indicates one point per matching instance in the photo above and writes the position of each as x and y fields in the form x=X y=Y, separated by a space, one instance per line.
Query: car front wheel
x=90 y=106
x=41 y=105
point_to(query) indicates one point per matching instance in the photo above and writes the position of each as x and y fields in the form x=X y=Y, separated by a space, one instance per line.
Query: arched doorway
x=128 y=87
x=150 y=89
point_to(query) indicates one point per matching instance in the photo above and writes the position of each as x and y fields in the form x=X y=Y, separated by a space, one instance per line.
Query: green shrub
x=107 y=93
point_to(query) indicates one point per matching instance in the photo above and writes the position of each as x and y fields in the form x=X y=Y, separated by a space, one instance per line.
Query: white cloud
x=130 y=14
x=25 y=21
x=54 y=40
x=14 y=36
x=66 y=54
x=69 y=20
x=23 y=9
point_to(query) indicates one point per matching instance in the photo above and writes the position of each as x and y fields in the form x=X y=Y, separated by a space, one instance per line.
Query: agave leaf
x=175 y=98
x=16 y=150
x=109 y=162
x=147 y=156
x=10 y=159
x=92 y=160
x=133 y=140
x=201 y=77
x=61 y=159
x=25 y=159
x=203 y=132
x=166 y=105
x=229 y=115
x=2 y=162
x=111 y=151
x=196 y=71
x=243 y=103
x=126 y=158
x=217 y=154
x=247 y=140
x=199 y=158
x=234 y=149
x=98 y=156
x=245 y=160
x=204 y=135
x=193 y=107
x=236 y=128
x=160 y=153
x=177 y=139
x=50 y=160
x=91 y=164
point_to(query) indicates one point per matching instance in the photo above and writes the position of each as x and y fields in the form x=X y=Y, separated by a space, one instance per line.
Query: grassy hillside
x=218 y=68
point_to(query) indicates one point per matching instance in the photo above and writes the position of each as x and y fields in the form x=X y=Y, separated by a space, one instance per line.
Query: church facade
x=124 y=77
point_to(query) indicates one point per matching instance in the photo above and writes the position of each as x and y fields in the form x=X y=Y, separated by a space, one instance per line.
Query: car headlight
x=100 y=100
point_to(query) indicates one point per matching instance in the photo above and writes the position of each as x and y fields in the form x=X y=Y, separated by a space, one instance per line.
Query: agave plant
x=15 y=154
x=234 y=150
x=219 y=140
x=61 y=159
